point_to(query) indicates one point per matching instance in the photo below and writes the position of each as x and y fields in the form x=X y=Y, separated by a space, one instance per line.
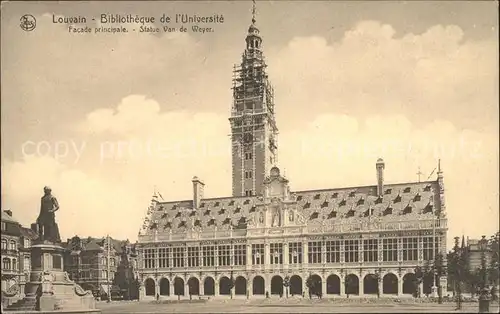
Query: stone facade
x=15 y=255
x=370 y=237
x=86 y=262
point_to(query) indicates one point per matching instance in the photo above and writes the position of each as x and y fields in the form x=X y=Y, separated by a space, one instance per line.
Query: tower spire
x=253 y=11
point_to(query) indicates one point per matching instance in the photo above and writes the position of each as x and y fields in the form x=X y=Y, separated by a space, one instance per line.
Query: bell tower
x=253 y=124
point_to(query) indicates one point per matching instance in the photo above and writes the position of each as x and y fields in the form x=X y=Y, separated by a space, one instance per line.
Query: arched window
x=4 y=244
x=14 y=264
x=12 y=245
x=6 y=263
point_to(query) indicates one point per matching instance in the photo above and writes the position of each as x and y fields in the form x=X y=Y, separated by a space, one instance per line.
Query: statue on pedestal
x=46 y=221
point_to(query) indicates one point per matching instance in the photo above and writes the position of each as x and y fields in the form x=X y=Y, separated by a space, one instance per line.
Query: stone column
x=323 y=285
x=380 y=253
x=172 y=288
x=267 y=282
x=216 y=287
x=421 y=289
x=400 y=285
x=305 y=251
x=361 y=284
x=231 y=256
x=249 y=256
x=286 y=261
x=267 y=256
x=216 y=255
x=381 y=284
x=186 y=288
x=250 y=286
x=342 y=286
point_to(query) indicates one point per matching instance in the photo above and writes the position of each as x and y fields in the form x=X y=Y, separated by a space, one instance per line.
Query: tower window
x=248 y=174
x=248 y=193
x=248 y=156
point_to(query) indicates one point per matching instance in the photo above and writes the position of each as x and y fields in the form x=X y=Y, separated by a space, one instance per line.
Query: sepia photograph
x=249 y=156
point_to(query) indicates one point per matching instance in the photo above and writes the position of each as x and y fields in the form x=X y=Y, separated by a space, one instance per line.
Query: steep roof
x=92 y=244
x=28 y=233
x=399 y=201
x=7 y=218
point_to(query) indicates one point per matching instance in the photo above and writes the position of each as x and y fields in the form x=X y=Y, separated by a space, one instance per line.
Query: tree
x=418 y=279
x=231 y=285
x=313 y=286
x=286 y=284
x=493 y=267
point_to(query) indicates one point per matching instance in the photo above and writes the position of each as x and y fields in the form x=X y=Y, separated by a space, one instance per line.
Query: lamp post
x=484 y=297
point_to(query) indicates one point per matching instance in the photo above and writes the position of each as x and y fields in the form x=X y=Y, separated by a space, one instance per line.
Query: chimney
x=198 y=188
x=8 y=212
x=380 y=176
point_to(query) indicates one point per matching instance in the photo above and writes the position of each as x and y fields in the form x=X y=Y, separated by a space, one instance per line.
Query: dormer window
x=202 y=205
x=378 y=200
x=335 y=195
x=316 y=197
x=342 y=202
x=427 y=188
x=237 y=210
x=417 y=198
x=388 y=191
x=299 y=198
x=246 y=202
x=178 y=215
x=350 y=213
x=216 y=204
x=407 y=190
x=231 y=203
x=325 y=204
x=207 y=212
x=352 y=194
x=307 y=205
x=333 y=214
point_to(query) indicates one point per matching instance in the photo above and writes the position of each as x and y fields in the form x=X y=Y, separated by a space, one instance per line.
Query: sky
x=105 y=119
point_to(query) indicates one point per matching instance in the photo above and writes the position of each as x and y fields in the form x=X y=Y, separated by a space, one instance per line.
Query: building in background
x=15 y=255
x=352 y=240
x=475 y=252
x=86 y=262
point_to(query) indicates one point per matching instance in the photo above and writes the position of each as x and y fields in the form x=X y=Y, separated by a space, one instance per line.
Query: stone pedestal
x=49 y=287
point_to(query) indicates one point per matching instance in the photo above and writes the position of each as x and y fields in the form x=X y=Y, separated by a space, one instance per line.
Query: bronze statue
x=46 y=221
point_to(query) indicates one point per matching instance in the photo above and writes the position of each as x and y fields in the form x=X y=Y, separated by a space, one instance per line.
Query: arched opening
x=225 y=286
x=427 y=284
x=315 y=285
x=370 y=284
x=209 y=286
x=258 y=286
x=390 y=284
x=277 y=285
x=149 y=285
x=295 y=285
x=351 y=284
x=194 y=286
x=178 y=286
x=164 y=286
x=240 y=286
x=333 y=285
x=410 y=284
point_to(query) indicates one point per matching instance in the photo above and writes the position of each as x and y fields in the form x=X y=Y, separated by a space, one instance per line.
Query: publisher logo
x=28 y=22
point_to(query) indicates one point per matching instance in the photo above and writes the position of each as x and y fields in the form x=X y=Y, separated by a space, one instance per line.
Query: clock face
x=247 y=138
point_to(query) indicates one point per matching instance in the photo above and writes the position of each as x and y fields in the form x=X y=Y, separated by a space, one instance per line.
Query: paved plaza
x=276 y=306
